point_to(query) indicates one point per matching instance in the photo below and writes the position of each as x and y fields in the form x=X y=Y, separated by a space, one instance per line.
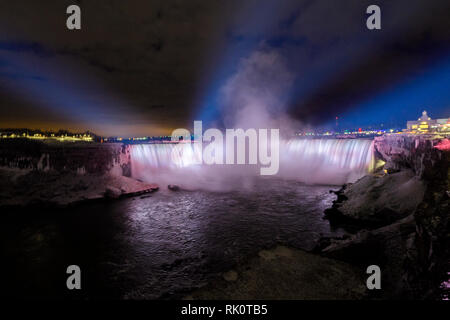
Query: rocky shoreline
x=21 y=189
x=37 y=174
x=399 y=217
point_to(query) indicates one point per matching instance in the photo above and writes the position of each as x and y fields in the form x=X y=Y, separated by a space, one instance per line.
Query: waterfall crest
x=327 y=161
x=314 y=161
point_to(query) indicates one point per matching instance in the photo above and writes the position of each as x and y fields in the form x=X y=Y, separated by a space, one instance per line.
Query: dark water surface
x=159 y=246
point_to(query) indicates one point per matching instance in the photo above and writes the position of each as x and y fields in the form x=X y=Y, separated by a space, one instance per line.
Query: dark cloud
x=142 y=66
x=399 y=54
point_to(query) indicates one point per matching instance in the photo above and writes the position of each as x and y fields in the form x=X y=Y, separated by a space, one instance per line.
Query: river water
x=159 y=246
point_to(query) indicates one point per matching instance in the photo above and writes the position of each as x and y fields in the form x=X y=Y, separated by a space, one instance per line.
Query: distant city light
x=49 y=136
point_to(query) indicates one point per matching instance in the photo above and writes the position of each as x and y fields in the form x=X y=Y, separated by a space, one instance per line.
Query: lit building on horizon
x=427 y=125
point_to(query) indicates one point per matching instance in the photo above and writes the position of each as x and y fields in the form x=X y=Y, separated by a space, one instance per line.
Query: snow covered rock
x=112 y=192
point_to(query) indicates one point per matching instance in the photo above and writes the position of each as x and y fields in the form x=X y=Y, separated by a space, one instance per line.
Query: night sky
x=147 y=67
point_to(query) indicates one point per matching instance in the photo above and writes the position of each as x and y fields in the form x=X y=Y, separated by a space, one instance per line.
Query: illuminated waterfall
x=327 y=161
x=315 y=161
x=164 y=155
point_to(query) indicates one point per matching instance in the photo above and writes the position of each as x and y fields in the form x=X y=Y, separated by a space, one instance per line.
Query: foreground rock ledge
x=286 y=273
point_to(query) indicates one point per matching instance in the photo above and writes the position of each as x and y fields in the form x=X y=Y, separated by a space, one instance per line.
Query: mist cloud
x=257 y=95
